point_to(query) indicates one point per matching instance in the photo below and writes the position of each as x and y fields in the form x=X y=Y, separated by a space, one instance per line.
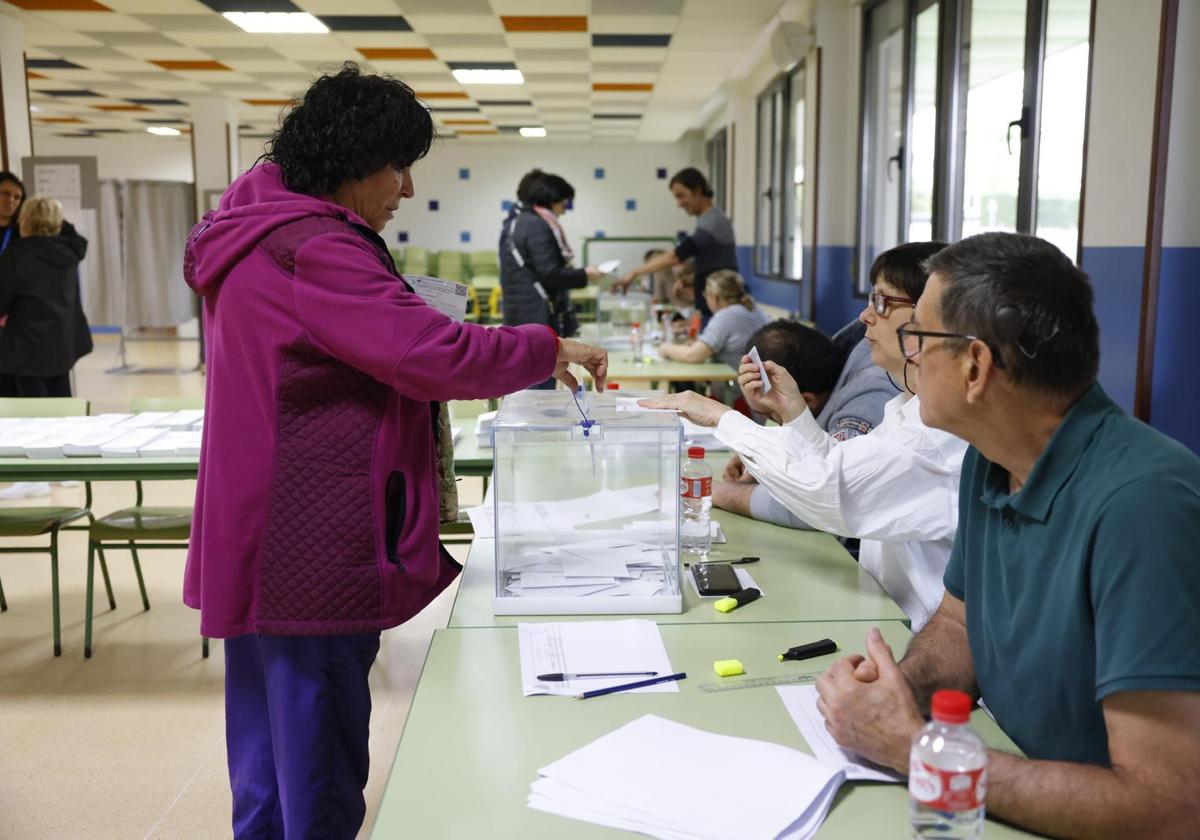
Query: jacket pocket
x=396 y=506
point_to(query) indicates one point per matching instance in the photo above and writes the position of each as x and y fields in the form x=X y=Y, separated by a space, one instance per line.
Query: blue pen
x=585 y=423
x=627 y=686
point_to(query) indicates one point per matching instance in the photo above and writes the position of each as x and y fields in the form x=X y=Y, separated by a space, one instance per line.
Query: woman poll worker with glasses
x=895 y=488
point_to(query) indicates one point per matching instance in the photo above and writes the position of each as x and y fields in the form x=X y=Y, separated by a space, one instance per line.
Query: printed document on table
x=801 y=703
x=668 y=780
x=583 y=647
x=445 y=296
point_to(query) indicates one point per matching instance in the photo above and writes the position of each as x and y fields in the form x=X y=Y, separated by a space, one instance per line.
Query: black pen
x=563 y=677
x=741 y=561
x=627 y=686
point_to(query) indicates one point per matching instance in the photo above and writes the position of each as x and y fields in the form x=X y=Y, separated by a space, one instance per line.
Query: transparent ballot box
x=616 y=314
x=586 y=513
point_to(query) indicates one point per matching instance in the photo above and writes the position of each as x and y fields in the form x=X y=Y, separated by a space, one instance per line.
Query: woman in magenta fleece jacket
x=317 y=507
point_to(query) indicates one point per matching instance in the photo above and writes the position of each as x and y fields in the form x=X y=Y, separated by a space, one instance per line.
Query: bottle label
x=695 y=488
x=947 y=790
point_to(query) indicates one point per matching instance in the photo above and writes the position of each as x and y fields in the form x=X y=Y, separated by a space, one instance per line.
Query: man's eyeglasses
x=912 y=341
x=879 y=302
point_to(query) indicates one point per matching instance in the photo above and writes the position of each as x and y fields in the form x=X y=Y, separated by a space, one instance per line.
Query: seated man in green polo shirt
x=1072 y=601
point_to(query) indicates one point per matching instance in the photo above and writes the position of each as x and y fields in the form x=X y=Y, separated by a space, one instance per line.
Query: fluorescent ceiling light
x=280 y=23
x=34 y=108
x=489 y=77
x=533 y=131
x=164 y=131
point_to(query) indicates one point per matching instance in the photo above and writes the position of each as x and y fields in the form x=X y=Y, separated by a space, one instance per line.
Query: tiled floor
x=130 y=744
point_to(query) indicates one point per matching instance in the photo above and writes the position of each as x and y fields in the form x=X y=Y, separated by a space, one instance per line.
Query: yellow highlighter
x=737 y=599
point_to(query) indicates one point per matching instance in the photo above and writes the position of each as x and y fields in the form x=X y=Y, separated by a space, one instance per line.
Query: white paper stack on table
x=589 y=647
x=483 y=428
x=801 y=703
x=664 y=779
x=706 y=436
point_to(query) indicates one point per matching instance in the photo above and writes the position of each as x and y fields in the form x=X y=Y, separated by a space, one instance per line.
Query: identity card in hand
x=762 y=370
x=445 y=296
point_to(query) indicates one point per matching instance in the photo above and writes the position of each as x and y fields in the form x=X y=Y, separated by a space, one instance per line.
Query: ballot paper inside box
x=617 y=313
x=586 y=517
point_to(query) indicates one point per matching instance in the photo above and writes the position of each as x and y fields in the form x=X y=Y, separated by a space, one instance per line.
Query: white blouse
x=895 y=488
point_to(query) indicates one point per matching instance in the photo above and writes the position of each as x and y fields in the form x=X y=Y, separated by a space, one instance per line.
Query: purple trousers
x=297 y=710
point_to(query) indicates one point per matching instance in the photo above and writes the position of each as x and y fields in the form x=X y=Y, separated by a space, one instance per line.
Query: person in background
x=666 y=289
x=39 y=294
x=536 y=274
x=327 y=459
x=712 y=245
x=894 y=488
x=847 y=399
x=522 y=200
x=1072 y=591
x=12 y=195
x=735 y=319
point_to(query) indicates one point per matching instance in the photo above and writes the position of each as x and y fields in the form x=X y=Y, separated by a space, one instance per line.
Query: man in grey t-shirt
x=712 y=245
x=852 y=405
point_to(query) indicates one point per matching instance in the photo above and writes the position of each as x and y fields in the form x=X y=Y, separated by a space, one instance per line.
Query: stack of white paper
x=483 y=428
x=801 y=703
x=172 y=444
x=181 y=421
x=129 y=444
x=589 y=647
x=664 y=779
x=696 y=435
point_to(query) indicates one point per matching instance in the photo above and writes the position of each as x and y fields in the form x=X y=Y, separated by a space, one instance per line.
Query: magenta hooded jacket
x=317 y=498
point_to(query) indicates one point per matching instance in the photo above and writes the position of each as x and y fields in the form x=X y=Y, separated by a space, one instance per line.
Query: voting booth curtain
x=133 y=274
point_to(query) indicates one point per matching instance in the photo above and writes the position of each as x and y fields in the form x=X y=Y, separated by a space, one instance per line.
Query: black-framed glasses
x=879 y=302
x=912 y=341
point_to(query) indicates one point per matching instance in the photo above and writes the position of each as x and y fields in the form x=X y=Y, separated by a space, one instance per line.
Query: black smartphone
x=715 y=579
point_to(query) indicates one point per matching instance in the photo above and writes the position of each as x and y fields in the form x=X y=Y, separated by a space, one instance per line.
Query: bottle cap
x=636 y=325
x=696 y=452
x=613 y=386
x=950 y=706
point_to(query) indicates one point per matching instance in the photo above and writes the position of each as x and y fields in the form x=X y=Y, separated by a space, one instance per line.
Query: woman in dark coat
x=535 y=261
x=46 y=332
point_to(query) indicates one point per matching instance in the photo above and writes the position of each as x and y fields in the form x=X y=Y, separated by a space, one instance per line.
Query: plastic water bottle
x=635 y=341
x=947 y=773
x=695 y=490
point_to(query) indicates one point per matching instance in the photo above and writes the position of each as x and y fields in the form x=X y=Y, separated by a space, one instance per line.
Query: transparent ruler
x=759 y=682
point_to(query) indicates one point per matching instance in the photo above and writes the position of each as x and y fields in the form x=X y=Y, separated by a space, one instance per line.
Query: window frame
x=776 y=92
x=716 y=151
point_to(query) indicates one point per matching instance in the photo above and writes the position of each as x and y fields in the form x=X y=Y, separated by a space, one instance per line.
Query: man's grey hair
x=1028 y=302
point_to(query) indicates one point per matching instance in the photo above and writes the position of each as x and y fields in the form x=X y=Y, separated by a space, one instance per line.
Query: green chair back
x=43 y=406
x=451 y=265
x=466 y=409
x=166 y=404
x=484 y=263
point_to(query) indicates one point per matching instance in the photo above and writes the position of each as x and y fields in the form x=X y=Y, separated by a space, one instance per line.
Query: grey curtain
x=136 y=277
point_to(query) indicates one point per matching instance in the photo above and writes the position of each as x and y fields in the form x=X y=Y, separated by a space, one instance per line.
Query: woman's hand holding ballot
x=783 y=403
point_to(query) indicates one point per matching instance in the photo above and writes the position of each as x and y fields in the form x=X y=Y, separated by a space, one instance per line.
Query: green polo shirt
x=1084 y=583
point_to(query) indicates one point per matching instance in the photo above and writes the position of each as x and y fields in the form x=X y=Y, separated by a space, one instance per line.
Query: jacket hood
x=58 y=252
x=253 y=206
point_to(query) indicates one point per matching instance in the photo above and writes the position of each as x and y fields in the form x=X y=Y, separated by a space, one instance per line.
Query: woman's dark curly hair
x=349 y=126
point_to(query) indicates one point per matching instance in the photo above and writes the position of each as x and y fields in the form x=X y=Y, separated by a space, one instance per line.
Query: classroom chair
x=416 y=260
x=43 y=520
x=397 y=258
x=452 y=266
x=145 y=526
x=484 y=264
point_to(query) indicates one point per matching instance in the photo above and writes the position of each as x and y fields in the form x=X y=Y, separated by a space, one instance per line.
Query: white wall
x=127 y=157
x=473 y=205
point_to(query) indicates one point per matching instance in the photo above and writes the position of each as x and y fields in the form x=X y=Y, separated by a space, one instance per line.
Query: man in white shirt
x=895 y=488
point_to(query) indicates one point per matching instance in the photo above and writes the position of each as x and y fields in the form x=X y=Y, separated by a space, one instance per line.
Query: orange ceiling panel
x=398 y=54
x=442 y=95
x=60 y=119
x=274 y=102
x=612 y=87
x=59 y=5
x=467 y=122
x=543 y=23
x=190 y=65
x=120 y=108
x=30 y=74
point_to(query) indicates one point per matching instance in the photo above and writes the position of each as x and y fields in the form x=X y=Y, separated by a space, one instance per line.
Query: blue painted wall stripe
x=1175 y=399
x=1116 y=275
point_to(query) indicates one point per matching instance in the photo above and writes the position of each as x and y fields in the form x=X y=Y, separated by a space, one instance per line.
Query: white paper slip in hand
x=762 y=369
x=631 y=404
x=445 y=296
x=801 y=703
x=609 y=266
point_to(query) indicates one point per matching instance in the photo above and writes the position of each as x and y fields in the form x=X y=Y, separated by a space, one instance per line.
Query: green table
x=472 y=744
x=804 y=575
x=654 y=371
x=471 y=459
x=98 y=469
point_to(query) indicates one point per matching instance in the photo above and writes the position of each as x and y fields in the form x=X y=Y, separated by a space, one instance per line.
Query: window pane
x=995 y=91
x=762 y=234
x=780 y=146
x=882 y=132
x=1064 y=100
x=794 y=255
x=924 y=127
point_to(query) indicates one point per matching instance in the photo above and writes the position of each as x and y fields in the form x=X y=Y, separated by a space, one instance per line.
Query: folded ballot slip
x=762 y=371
